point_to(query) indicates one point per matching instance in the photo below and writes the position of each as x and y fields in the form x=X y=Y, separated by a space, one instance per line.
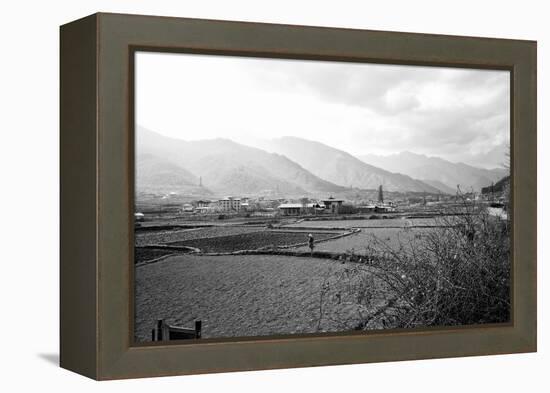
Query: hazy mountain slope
x=230 y=175
x=342 y=168
x=156 y=174
x=437 y=169
x=227 y=167
x=156 y=171
x=440 y=186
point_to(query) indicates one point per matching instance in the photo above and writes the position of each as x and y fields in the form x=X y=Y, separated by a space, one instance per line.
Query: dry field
x=250 y=295
x=393 y=237
x=234 y=296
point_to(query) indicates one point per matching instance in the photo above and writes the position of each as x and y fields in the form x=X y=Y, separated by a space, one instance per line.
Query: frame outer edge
x=526 y=191
x=78 y=197
x=117 y=358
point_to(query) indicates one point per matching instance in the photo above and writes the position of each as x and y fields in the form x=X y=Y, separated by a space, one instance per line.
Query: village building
x=203 y=203
x=333 y=205
x=187 y=207
x=291 y=209
x=385 y=208
x=366 y=208
x=230 y=204
x=314 y=208
x=295 y=209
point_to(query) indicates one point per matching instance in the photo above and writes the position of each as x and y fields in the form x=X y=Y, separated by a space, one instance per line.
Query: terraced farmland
x=160 y=237
x=250 y=241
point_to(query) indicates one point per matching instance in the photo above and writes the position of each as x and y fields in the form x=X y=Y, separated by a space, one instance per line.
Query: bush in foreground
x=458 y=274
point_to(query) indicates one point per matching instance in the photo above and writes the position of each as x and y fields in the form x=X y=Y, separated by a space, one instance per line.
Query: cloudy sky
x=457 y=114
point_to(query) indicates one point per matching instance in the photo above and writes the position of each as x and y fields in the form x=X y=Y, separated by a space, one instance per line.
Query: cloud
x=361 y=108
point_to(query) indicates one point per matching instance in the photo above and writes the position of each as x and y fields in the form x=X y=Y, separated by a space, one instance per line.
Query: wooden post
x=160 y=326
x=198 y=328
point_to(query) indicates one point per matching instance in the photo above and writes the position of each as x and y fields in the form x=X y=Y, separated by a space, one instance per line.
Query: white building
x=187 y=207
x=291 y=209
x=230 y=204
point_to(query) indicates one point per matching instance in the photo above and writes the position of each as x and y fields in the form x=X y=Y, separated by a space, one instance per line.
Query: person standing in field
x=310 y=242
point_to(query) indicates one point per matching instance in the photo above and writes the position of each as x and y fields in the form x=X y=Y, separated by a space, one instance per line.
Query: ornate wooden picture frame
x=97 y=195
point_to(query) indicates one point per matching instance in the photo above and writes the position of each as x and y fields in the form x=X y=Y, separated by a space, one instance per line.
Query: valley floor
x=188 y=273
x=233 y=296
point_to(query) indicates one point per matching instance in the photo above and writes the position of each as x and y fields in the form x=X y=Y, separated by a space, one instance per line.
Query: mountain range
x=342 y=168
x=223 y=167
x=438 y=172
x=156 y=174
x=284 y=167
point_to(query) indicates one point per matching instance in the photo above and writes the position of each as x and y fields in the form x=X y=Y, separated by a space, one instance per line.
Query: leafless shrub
x=456 y=274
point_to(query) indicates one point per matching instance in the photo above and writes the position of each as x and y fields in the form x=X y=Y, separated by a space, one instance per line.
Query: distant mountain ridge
x=287 y=167
x=157 y=175
x=225 y=167
x=342 y=168
x=437 y=170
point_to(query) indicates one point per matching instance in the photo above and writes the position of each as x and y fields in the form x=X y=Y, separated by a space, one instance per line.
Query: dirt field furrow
x=233 y=296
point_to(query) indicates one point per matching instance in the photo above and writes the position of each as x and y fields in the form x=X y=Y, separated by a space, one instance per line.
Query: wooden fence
x=166 y=332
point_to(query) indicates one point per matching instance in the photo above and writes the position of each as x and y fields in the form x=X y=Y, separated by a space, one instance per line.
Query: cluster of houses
x=333 y=206
x=228 y=204
x=330 y=205
x=283 y=207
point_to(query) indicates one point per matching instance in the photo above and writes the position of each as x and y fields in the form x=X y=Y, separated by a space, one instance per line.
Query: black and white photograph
x=278 y=197
x=243 y=196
